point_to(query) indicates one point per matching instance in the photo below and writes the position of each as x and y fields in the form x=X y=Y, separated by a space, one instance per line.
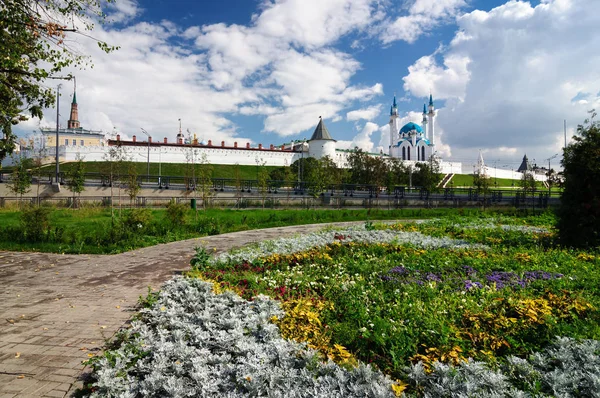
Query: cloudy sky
x=504 y=74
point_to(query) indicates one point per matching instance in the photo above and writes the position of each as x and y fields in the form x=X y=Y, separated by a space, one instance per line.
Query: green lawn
x=466 y=180
x=172 y=169
x=91 y=230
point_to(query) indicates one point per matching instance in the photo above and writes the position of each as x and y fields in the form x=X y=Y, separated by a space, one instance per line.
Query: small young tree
x=237 y=182
x=289 y=180
x=76 y=179
x=38 y=155
x=527 y=183
x=579 y=211
x=482 y=183
x=262 y=177
x=204 y=178
x=114 y=162
x=20 y=181
x=321 y=177
x=132 y=182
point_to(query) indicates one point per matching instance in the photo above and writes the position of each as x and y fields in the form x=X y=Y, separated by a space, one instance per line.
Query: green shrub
x=137 y=219
x=208 y=226
x=176 y=213
x=35 y=222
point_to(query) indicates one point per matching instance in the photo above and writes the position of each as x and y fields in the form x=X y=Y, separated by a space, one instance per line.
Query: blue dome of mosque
x=408 y=127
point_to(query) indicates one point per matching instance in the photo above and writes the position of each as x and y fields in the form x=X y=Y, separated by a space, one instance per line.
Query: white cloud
x=423 y=16
x=300 y=118
x=283 y=66
x=362 y=140
x=122 y=11
x=314 y=23
x=369 y=113
x=449 y=81
x=510 y=76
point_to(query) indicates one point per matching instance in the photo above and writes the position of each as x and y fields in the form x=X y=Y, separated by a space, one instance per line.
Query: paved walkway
x=57 y=310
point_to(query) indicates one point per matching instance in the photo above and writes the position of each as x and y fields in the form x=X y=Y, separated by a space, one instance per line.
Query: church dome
x=408 y=127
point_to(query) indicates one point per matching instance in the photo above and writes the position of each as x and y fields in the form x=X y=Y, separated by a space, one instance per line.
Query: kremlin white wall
x=214 y=155
x=170 y=154
x=507 y=174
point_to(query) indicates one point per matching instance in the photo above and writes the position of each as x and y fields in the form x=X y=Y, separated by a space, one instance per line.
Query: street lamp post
x=148 y=162
x=57 y=128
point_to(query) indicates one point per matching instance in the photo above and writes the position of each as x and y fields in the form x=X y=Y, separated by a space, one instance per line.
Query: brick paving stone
x=41 y=388
x=55 y=393
x=72 y=302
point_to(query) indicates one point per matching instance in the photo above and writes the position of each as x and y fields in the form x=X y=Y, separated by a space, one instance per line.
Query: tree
x=132 y=182
x=205 y=185
x=277 y=176
x=357 y=163
x=301 y=167
x=427 y=174
x=262 y=178
x=579 y=211
x=237 y=181
x=554 y=179
x=397 y=174
x=34 y=48
x=317 y=180
x=76 y=178
x=20 y=180
x=38 y=155
x=527 y=182
x=113 y=167
x=290 y=178
x=482 y=183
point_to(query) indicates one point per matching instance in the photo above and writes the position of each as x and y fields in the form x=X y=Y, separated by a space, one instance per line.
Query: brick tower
x=73 y=122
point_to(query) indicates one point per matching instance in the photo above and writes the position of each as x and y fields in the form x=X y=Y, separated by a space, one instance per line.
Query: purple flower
x=432 y=277
x=543 y=275
x=469 y=270
x=472 y=285
x=502 y=278
x=399 y=270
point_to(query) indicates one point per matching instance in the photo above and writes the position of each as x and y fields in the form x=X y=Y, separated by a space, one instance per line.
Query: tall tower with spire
x=425 y=122
x=393 y=125
x=73 y=122
x=430 y=121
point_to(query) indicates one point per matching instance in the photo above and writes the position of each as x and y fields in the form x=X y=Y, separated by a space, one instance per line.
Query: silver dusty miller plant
x=193 y=343
x=567 y=369
x=353 y=234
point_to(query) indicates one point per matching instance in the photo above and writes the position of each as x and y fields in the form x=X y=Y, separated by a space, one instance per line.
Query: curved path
x=57 y=310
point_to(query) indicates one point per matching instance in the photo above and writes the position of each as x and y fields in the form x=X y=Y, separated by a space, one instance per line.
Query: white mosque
x=412 y=142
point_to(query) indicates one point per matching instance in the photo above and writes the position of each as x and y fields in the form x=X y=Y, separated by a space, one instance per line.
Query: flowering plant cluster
x=309 y=241
x=436 y=315
x=567 y=368
x=194 y=343
x=467 y=277
x=391 y=295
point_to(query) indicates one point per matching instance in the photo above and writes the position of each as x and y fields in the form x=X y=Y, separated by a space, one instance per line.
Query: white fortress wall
x=167 y=154
x=231 y=156
x=510 y=174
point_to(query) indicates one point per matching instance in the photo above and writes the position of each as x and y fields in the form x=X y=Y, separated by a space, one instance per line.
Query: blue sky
x=504 y=74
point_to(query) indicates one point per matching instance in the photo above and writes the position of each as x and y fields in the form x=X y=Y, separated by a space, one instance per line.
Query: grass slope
x=172 y=169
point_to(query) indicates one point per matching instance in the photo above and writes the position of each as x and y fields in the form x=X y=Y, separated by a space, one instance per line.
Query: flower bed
x=408 y=299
